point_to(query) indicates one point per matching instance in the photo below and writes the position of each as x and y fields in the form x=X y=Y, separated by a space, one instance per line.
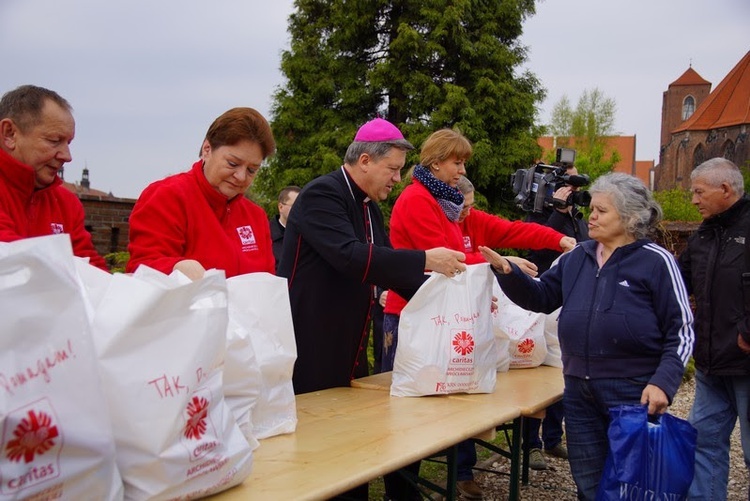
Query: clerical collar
x=349 y=185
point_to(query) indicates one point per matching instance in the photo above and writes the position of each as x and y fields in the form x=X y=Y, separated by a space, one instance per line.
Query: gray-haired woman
x=625 y=326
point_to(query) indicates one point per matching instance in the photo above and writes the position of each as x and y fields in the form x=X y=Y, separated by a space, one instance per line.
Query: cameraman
x=568 y=220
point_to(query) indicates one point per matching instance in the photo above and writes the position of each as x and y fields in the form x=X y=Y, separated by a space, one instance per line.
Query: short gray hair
x=24 y=105
x=718 y=170
x=464 y=185
x=633 y=201
x=376 y=149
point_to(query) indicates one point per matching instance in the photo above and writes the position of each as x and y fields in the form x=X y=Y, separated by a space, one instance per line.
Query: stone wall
x=107 y=221
x=675 y=235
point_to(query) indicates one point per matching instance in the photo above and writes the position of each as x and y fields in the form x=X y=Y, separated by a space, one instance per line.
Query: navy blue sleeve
x=543 y=295
x=672 y=308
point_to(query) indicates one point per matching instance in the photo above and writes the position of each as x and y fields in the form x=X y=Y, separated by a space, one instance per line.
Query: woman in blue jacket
x=625 y=326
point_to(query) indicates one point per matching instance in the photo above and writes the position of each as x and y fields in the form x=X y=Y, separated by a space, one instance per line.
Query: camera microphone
x=575 y=179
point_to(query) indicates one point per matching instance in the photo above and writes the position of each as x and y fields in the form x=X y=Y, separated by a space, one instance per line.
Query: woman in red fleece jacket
x=200 y=219
x=427 y=214
x=431 y=212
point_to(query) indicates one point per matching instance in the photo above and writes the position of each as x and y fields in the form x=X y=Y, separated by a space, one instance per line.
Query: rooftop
x=728 y=105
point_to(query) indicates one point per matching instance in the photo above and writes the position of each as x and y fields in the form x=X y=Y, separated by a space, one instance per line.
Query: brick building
x=106 y=215
x=698 y=124
x=624 y=145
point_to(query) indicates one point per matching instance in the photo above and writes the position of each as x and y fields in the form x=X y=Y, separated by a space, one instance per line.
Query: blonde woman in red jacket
x=427 y=215
x=200 y=219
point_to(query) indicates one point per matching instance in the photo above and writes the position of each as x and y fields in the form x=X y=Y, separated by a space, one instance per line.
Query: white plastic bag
x=161 y=345
x=502 y=341
x=525 y=330
x=93 y=282
x=242 y=379
x=554 y=354
x=445 y=339
x=260 y=314
x=57 y=437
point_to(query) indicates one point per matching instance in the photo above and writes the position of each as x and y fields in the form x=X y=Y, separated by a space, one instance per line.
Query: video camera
x=534 y=186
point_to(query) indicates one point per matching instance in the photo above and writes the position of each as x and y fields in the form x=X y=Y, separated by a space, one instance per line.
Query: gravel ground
x=556 y=483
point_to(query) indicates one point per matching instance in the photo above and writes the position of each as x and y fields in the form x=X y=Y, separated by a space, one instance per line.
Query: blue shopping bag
x=648 y=459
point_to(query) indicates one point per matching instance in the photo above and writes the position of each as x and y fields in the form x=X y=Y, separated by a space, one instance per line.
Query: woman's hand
x=655 y=398
x=190 y=268
x=497 y=261
x=383 y=297
x=567 y=243
x=526 y=266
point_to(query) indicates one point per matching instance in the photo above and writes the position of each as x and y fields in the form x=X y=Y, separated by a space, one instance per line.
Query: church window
x=699 y=156
x=729 y=150
x=688 y=107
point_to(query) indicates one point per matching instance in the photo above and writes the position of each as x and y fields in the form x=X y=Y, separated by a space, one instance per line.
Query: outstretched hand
x=525 y=265
x=445 y=261
x=567 y=243
x=498 y=262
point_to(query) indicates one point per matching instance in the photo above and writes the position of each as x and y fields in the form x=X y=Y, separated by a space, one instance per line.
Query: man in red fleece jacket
x=36 y=128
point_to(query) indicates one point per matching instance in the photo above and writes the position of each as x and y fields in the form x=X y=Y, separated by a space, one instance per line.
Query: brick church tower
x=698 y=124
x=679 y=103
x=680 y=100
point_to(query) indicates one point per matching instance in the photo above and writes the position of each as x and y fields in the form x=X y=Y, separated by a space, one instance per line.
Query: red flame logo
x=197 y=411
x=526 y=346
x=35 y=434
x=463 y=343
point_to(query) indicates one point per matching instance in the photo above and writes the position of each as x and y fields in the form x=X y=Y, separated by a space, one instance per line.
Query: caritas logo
x=32 y=443
x=199 y=434
x=247 y=236
x=197 y=411
x=463 y=343
x=526 y=346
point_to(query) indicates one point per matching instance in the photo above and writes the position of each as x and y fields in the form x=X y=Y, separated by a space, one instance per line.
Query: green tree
x=586 y=128
x=562 y=118
x=676 y=205
x=423 y=65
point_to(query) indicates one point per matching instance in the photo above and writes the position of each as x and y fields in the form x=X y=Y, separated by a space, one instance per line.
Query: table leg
x=450 y=485
x=526 y=432
x=515 y=456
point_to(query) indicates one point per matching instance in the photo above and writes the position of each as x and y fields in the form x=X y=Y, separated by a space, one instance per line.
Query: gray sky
x=146 y=78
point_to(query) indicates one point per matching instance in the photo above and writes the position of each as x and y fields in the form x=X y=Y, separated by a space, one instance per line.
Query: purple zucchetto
x=378 y=130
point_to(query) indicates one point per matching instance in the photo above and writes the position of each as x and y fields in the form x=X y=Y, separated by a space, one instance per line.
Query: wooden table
x=531 y=391
x=348 y=436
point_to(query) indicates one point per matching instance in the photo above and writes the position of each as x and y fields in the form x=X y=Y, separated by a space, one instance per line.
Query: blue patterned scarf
x=450 y=199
